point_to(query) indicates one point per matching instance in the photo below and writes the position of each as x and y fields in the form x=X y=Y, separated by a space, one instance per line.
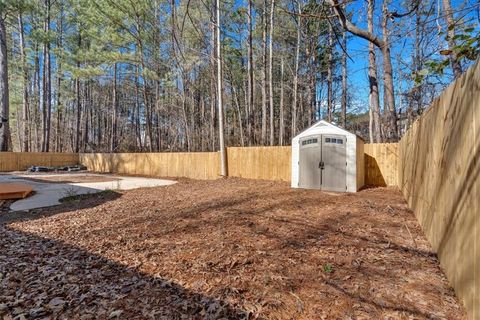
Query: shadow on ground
x=42 y=277
x=232 y=247
x=69 y=205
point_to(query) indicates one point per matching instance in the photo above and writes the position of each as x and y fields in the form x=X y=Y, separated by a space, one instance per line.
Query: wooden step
x=10 y=191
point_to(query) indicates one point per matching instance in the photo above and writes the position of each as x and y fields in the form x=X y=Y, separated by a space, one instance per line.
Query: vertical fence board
x=381 y=164
x=439 y=174
x=20 y=161
x=195 y=165
x=269 y=163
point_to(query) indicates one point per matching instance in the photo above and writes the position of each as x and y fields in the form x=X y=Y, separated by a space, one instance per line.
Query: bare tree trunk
x=223 y=158
x=47 y=84
x=26 y=108
x=416 y=94
x=4 y=103
x=17 y=116
x=36 y=97
x=370 y=124
x=138 y=129
x=270 y=73
x=374 y=99
x=58 y=137
x=389 y=94
x=344 y=79
x=456 y=67
x=264 y=74
x=184 y=112
x=86 y=112
x=213 y=92
x=302 y=118
x=310 y=99
x=282 y=111
x=146 y=102
x=250 y=116
x=78 y=104
x=237 y=104
x=295 y=72
x=312 y=110
x=59 y=127
x=113 y=137
x=330 y=74
x=148 y=117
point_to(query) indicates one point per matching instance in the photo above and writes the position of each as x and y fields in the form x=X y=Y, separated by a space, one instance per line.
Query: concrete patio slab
x=48 y=194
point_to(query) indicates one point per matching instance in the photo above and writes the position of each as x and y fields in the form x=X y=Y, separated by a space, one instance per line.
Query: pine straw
x=229 y=248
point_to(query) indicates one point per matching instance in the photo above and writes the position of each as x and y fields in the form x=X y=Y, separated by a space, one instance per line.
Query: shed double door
x=323 y=162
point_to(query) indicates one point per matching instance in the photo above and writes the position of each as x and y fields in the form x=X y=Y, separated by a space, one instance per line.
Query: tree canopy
x=140 y=75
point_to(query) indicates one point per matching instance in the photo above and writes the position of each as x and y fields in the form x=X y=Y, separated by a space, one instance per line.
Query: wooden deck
x=9 y=191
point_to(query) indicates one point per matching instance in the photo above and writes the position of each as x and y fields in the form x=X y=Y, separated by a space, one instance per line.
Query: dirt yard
x=231 y=249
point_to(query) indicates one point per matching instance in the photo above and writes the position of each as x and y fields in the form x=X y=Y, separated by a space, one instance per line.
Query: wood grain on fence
x=195 y=165
x=19 y=161
x=269 y=163
x=439 y=175
x=381 y=164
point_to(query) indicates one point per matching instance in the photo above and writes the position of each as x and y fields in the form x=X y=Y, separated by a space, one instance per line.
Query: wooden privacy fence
x=436 y=166
x=268 y=163
x=19 y=161
x=439 y=175
x=195 y=165
x=381 y=164
x=274 y=163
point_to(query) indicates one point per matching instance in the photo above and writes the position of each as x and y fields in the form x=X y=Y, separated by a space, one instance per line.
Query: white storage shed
x=327 y=157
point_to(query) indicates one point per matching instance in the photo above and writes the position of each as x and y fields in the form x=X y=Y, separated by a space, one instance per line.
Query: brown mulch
x=5 y=206
x=228 y=249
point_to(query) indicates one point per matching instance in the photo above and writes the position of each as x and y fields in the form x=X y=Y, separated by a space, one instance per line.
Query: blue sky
x=358 y=48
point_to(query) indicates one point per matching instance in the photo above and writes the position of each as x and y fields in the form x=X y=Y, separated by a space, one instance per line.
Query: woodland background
x=140 y=75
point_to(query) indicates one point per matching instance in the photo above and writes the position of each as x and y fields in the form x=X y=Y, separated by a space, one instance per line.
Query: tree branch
x=350 y=27
x=395 y=14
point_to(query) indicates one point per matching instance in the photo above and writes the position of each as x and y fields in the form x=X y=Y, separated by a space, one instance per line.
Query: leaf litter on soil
x=223 y=249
